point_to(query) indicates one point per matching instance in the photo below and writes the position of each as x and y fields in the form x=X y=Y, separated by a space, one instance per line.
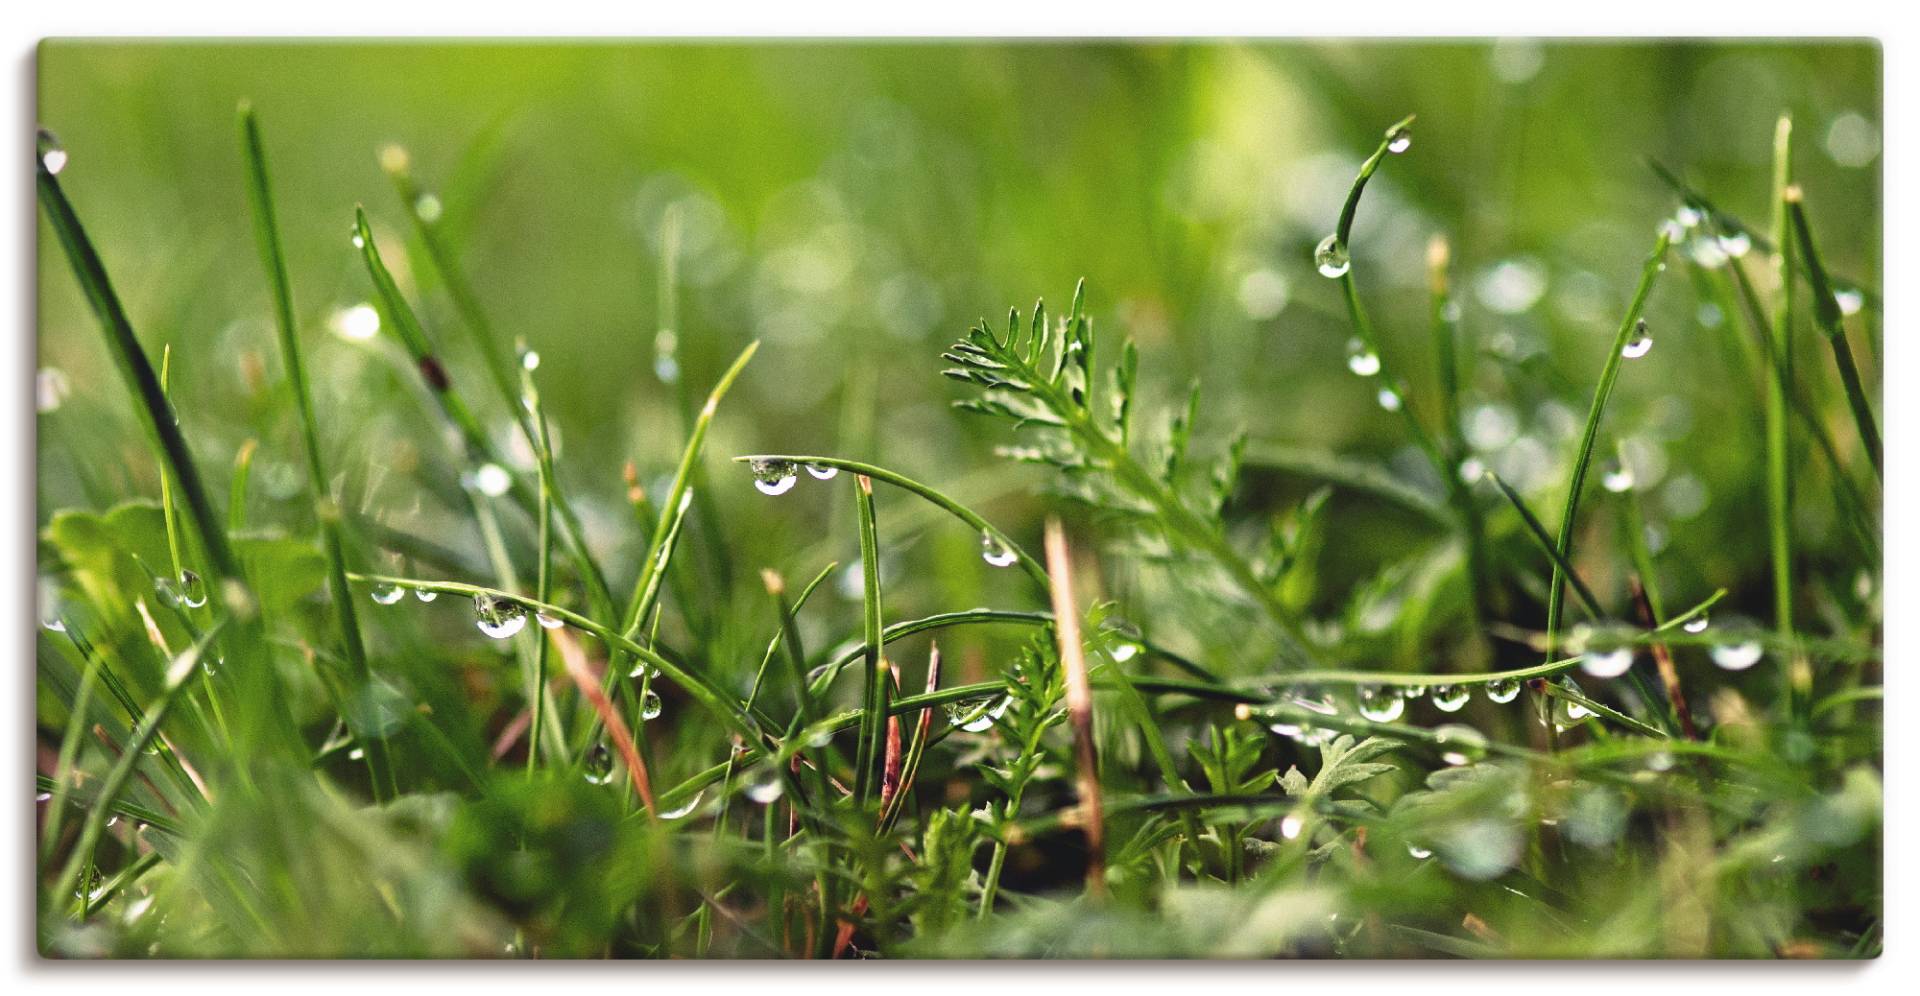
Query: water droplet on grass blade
x=1850 y=300
x=996 y=553
x=529 y=360
x=1450 y=698
x=1607 y=663
x=1698 y=624
x=1616 y=477
x=773 y=477
x=428 y=208
x=1737 y=656
x=193 y=591
x=650 y=705
x=685 y=808
x=498 y=617
x=547 y=621
x=1638 y=343
x=1331 y=258
x=387 y=594
x=766 y=792
x=1389 y=399
x=1400 y=140
x=424 y=595
x=1362 y=361
x=1418 y=853
x=53 y=156
x=822 y=472
x=490 y=479
x=1736 y=244
x=1382 y=705
x=598 y=765
x=1501 y=691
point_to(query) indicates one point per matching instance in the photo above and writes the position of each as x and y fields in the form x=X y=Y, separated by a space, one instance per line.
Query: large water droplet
x=682 y=810
x=1607 y=663
x=822 y=472
x=193 y=591
x=773 y=477
x=979 y=717
x=1362 y=361
x=1617 y=477
x=1382 y=705
x=1331 y=258
x=1850 y=300
x=498 y=617
x=996 y=553
x=1291 y=825
x=1637 y=344
x=766 y=792
x=1698 y=624
x=1737 y=656
x=1451 y=698
x=490 y=479
x=53 y=156
x=650 y=705
x=424 y=595
x=598 y=766
x=387 y=594
x=1500 y=691
x=1399 y=140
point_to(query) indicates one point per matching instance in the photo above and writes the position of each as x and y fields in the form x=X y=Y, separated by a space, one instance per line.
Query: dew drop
x=773 y=477
x=822 y=472
x=1362 y=361
x=1698 y=624
x=1472 y=470
x=358 y=241
x=193 y=591
x=598 y=765
x=498 y=617
x=1637 y=346
x=1688 y=216
x=387 y=594
x=547 y=621
x=1382 y=705
x=650 y=705
x=1451 y=698
x=1850 y=300
x=53 y=156
x=1607 y=663
x=978 y=718
x=491 y=479
x=168 y=594
x=1331 y=258
x=684 y=809
x=428 y=208
x=1501 y=691
x=356 y=323
x=1736 y=656
x=1399 y=140
x=996 y=553
x=50 y=389
x=1389 y=399
x=765 y=792
x=1291 y=826
x=529 y=360
x=1736 y=244
x=1617 y=477
x=424 y=595
x=1124 y=652
x=1418 y=853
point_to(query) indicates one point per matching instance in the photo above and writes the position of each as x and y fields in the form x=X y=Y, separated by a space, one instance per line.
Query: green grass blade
x=877 y=683
x=1540 y=536
x=1563 y=546
x=1826 y=311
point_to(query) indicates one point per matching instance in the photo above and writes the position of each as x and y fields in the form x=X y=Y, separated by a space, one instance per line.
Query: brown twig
x=1663 y=659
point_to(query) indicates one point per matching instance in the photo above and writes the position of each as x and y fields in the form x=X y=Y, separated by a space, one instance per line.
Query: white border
x=27 y=22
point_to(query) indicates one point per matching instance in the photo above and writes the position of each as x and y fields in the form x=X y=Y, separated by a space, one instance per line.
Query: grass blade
x=1066 y=629
x=1588 y=435
x=1826 y=311
x=1540 y=536
x=873 y=718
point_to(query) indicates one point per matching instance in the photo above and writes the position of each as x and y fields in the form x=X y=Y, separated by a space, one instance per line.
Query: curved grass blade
x=1540 y=536
x=1826 y=312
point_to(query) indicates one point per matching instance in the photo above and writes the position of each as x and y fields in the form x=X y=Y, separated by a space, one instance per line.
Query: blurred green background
x=856 y=206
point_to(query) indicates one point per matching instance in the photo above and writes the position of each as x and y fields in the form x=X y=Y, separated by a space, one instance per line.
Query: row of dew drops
x=777 y=477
